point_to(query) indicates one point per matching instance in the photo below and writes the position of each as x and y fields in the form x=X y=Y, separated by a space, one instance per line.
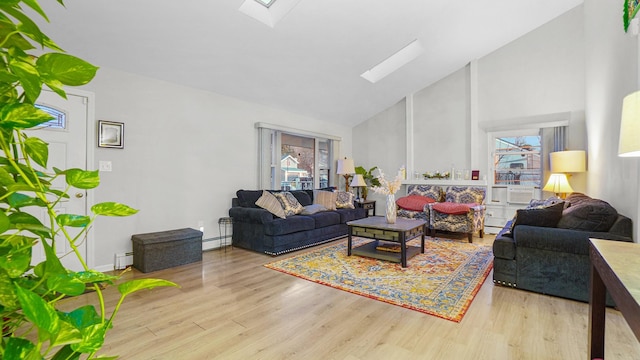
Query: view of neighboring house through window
x=289 y=159
x=298 y=162
x=517 y=160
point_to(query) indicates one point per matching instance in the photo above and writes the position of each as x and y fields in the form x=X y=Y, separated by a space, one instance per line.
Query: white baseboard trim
x=122 y=260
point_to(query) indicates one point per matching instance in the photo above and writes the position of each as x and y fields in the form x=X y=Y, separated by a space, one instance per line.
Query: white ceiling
x=310 y=62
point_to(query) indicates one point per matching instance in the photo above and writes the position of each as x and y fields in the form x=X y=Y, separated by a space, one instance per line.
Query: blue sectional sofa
x=257 y=229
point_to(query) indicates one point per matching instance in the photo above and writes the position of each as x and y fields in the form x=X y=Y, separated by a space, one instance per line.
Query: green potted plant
x=369 y=178
x=32 y=325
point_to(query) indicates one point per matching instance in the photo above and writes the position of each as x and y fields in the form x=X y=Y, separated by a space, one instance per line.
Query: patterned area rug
x=442 y=282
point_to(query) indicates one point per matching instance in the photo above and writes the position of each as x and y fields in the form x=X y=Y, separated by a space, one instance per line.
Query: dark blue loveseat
x=554 y=259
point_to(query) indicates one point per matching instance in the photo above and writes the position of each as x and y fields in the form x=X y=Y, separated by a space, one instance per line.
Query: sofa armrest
x=556 y=239
x=250 y=215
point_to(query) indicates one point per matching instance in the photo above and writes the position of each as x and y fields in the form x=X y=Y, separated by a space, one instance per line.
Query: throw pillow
x=414 y=202
x=344 y=200
x=453 y=208
x=302 y=196
x=588 y=215
x=289 y=203
x=312 y=209
x=270 y=203
x=543 y=216
x=325 y=198
x=534 y=203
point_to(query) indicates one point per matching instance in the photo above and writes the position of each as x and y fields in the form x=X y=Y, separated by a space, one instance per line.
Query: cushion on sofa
x=414 y=202
x=344 y=200
x=534 y=203
x=452 y=208
x=289 y=225
x=325 y=218
x=546 y=216
x=248 y=198
x=587 y=214
x=312 y=209
x=289 y=203
x=325 y=198
x=302 y=196
x=270 y=203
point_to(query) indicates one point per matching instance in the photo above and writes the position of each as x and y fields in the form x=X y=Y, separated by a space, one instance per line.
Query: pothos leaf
x=37 y=150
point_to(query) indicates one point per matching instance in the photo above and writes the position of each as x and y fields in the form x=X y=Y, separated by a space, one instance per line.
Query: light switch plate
x=105 y=166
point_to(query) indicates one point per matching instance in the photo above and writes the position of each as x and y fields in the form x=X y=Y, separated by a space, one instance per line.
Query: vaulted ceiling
x=310 y=62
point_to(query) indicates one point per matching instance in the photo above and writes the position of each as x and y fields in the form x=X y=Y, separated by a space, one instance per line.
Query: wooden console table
x=615 y=266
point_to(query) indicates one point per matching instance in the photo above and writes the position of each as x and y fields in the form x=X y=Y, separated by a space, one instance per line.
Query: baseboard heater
x=122 y=260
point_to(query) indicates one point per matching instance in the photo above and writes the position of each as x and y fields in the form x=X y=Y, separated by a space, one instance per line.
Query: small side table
x=223 y=224
x=369 y=205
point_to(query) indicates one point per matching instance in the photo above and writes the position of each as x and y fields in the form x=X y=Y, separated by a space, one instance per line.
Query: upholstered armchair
x=462 y=211
x=414 y=204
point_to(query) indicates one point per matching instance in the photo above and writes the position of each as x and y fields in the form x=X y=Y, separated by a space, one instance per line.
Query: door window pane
x=59 y=121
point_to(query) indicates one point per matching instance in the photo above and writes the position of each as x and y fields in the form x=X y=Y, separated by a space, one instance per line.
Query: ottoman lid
x=166 y=236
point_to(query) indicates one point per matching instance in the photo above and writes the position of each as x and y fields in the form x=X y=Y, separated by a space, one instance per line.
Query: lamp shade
x=629 y=145
x=358 y=180
x=567 y=161
x=558 y=183
x=345 y=166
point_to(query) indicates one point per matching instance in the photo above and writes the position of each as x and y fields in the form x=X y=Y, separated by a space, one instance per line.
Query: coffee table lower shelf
x=369 y=250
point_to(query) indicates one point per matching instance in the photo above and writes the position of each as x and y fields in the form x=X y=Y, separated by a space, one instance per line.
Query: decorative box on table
x=165 y=249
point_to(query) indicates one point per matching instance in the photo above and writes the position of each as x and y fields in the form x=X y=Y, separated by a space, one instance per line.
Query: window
x=517 y=159
x=297 y=162
x=266 y=3
x=292 y=159
x=59 y=121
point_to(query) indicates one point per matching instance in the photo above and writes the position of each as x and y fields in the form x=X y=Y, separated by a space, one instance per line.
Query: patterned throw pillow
x=344 y=200
x=270 y=203
x=289 y=203
x=325 y=198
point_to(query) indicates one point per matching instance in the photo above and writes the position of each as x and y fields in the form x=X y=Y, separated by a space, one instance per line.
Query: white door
x=67 y=139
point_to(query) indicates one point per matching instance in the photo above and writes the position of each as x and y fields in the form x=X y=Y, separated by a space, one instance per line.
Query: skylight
x=268 y=12
x=266 y=3
x=394 y=62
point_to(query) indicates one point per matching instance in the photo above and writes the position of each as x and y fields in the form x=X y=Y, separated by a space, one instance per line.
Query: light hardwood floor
x=231 y=307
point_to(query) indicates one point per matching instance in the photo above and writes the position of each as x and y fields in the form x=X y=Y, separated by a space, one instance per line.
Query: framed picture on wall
x=110 y=134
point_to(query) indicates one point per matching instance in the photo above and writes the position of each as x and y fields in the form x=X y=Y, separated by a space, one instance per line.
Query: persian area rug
x=441 y=282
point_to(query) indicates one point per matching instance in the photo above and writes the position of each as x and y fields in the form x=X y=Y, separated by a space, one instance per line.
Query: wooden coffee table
x=377 y=228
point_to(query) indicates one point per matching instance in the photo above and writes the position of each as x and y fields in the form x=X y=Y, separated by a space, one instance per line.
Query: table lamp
x=629 y=144
x=559 y=185
x=358 y=182
x=346 y=168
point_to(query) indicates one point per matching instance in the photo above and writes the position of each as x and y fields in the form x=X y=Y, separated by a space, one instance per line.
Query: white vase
x=391 y=209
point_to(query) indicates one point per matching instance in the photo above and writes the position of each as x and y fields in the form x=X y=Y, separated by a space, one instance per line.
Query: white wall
x=186 y=153
x=380 y=141
x=611 y=73
x=540 y=73
x=441 y=124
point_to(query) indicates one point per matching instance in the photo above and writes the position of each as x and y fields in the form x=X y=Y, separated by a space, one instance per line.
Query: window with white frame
x=293 y=159
x=517 y=158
